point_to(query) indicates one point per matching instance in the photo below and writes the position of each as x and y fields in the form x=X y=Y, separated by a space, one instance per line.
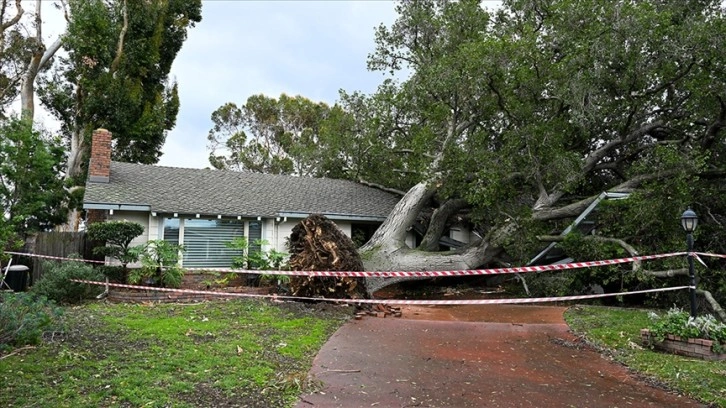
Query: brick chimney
x=99 y=168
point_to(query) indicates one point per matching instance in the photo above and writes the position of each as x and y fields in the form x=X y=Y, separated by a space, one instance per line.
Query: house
x=204 y=209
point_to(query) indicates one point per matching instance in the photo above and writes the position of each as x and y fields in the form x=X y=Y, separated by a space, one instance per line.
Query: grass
x=227 y=353
x=618 y=330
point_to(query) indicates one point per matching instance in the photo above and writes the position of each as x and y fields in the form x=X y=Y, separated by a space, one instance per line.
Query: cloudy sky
x=243 y=47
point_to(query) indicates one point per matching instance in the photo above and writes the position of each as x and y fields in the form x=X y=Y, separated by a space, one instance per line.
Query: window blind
x=205 y=242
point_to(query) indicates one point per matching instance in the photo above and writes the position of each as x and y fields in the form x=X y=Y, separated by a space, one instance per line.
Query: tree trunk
x=430 y=241
x=387 y=249
x=38 y=60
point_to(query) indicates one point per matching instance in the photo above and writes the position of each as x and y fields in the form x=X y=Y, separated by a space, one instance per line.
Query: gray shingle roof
x=228 y=193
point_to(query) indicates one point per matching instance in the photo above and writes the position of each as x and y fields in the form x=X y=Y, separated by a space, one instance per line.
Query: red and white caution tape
x=58 y=258
x=391 y=274
x=388 y=301
x=464 y=272
x=710 y=255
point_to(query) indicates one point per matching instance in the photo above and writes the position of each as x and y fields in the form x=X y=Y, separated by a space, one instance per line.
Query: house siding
x=155 y=225
x=137 y=217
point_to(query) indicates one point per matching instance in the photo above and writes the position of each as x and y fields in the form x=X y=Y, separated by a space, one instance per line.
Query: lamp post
x=689 y=221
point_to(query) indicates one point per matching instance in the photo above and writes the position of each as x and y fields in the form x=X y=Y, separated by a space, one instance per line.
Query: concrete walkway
x=468 y=357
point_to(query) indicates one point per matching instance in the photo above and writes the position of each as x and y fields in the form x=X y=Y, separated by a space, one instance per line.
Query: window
x=171 y=230
x=255 y=235
x=205 y=240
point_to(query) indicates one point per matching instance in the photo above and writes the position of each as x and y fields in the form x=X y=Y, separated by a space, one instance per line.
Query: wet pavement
x=472 y=356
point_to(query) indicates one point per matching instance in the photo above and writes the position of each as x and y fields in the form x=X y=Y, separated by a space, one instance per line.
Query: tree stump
x=317 y=244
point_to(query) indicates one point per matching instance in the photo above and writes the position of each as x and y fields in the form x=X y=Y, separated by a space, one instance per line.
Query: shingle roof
x=228 y=193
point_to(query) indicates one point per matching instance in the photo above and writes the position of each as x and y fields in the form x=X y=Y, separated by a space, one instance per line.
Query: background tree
x=31 y=191
x=268 y=135
x=14 y=49
x=23 y=54
x=115 y=76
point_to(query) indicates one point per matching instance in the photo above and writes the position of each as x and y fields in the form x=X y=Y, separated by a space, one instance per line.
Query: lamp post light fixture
x=689 y=221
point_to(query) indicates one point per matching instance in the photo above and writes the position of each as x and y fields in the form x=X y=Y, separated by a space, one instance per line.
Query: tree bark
x=38 y=60
x=387 y=249
x=437 y=225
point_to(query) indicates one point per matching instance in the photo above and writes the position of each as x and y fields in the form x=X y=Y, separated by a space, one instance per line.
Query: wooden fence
x=62 y=244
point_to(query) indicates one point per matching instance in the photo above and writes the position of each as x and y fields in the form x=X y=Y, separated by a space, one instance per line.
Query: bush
x=113 y=273
x=118 y=236
x=55 y=283
x=160 y=264
x=24 y=318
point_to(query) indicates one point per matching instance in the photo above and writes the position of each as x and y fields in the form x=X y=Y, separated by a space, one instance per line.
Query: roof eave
x=334 y=216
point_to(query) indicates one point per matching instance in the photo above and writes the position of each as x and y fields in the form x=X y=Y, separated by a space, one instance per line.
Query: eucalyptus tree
x=116 y=76
x=268 y=135
x=23 y=53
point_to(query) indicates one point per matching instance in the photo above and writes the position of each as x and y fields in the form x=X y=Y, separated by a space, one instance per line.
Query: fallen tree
x=517 y=114
x=512 y=122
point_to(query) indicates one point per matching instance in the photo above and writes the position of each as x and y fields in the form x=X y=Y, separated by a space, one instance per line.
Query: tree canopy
x=269 y=135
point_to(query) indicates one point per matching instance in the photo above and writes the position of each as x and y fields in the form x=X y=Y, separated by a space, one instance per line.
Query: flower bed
x=678 y=333
x=698 y=348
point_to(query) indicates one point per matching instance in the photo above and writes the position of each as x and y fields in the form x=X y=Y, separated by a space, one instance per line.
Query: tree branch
x=715 y=128
x=15 y=19
x=576 y=208
x=714 y=304
x=382 y=187
x=436 y=227
x=594 y=158
x=122 y=35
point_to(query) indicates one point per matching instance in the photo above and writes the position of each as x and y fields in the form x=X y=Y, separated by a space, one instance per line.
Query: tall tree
x=267 y=135
x=116 y=76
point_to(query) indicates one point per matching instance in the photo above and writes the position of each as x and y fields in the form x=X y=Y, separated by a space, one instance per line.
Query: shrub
x=114 y=273
x=118 y=236
x=24 y=318
x=160 y=264
x=259 y=260
x=55 y=283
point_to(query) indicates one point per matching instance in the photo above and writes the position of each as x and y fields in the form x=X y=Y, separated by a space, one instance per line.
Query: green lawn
x=226 y=353
x=617 y=330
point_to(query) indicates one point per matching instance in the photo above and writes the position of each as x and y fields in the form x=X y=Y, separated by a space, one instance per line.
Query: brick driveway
x=472 y=356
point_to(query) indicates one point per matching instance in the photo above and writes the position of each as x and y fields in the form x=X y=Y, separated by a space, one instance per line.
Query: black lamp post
x=689 y=221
